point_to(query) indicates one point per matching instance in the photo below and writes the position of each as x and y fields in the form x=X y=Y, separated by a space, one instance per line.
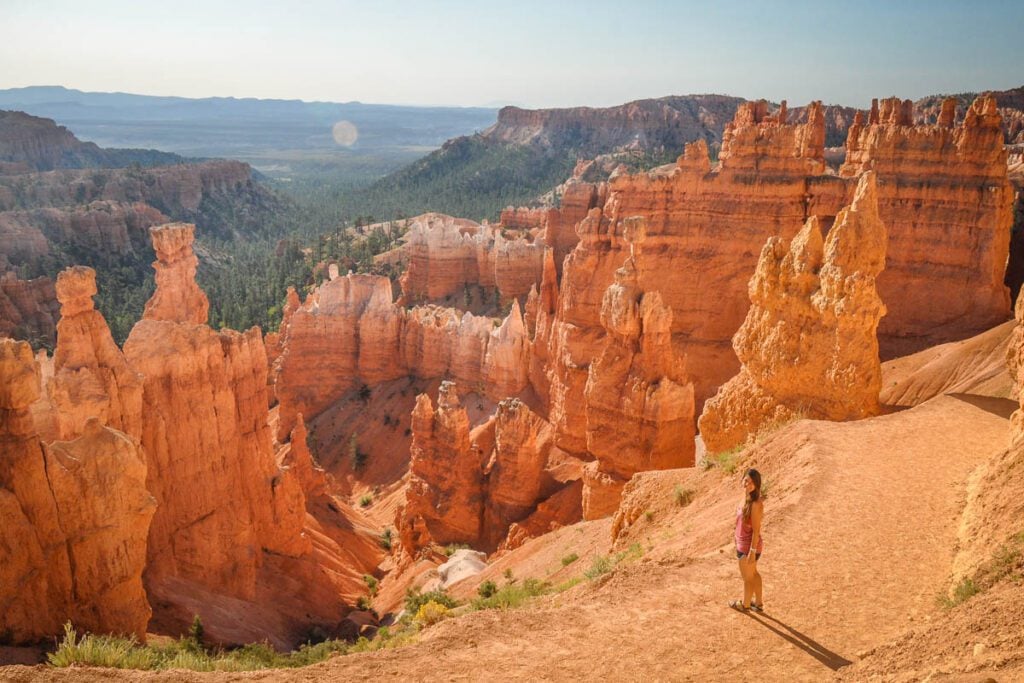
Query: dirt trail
x=856 y=556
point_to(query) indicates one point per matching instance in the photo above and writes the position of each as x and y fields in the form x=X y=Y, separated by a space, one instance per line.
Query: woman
x=748 y=535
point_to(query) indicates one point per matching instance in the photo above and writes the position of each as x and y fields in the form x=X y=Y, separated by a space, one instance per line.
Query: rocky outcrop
x=557 y=226
x=348 y=333
x=207 y=438
x=808 y=346
x=76 y=517
x=639 y=400
x=494 y=485
x=30 y=143
x=758 y=142
x=91 y=376
x=447 y=256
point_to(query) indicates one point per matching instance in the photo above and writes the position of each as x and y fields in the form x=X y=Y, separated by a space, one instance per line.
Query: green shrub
x=487 y=589
x=365 y=500
x=512 y=595
x=727 y=461
x=603 y=564
x=386 y=538
x=196 y=632
x=599 y=566
x=415 y=598
x=107 y=651
x=682 y=496
x=569 y=559
x=964 y=591
x=371 y=583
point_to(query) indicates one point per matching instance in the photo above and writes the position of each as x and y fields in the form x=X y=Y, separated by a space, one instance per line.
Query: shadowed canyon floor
x=861 y=529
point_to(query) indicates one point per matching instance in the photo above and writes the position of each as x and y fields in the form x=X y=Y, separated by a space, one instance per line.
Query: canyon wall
x=639 y=400
x=808 y=346
x=943 y=193
x=448 y=256
x=948 y=228
x=348 y=333
x=28 y=308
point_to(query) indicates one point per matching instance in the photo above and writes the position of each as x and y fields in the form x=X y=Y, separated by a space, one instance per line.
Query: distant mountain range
x=275 y=136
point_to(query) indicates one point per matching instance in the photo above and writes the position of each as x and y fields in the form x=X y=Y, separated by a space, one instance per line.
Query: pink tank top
x=745 y=534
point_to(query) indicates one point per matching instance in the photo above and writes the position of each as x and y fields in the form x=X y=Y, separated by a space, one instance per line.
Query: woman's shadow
x=815 y=649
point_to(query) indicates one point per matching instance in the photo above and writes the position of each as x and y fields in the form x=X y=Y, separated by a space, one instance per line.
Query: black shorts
x=740 y=555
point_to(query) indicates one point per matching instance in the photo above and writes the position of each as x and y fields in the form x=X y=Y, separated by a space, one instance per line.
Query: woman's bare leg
x=746 y=571
x=757 y=585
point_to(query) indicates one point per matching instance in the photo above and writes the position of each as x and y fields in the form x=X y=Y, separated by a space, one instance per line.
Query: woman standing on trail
x=748 y=535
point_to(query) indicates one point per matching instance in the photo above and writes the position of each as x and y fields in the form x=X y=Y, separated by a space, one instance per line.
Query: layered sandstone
x=76 y=516
x=944 y=195
x=1015 y=364
x=808 y=346
x=443 y=502
x=639 y=400
x=349 y=332
x=112 y=228
x=557 y=226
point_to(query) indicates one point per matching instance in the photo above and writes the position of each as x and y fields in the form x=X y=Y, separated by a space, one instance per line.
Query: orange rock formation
x=448 y=255
x=494 y=485
x=443 y=501
x=177 y=297
x=91 y=376
x=639 y=400
x=28 y=306
x=76 y=515
x=938 y=186
x=946 y=186
x=206 y=435
x=808 y=345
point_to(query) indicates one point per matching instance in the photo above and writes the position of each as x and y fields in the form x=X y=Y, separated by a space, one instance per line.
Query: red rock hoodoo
x=228 y=536
x=497 y=484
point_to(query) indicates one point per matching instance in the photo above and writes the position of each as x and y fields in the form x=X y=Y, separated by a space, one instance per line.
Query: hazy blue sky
x=533 y=53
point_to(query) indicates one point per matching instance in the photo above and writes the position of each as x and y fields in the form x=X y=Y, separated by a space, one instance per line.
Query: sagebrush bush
x=431 y=612
x=415 y=598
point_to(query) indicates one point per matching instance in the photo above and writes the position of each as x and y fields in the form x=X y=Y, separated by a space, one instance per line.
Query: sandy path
x=860 y=558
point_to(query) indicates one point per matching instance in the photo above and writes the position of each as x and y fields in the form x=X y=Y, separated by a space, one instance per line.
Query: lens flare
x=345 y=133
